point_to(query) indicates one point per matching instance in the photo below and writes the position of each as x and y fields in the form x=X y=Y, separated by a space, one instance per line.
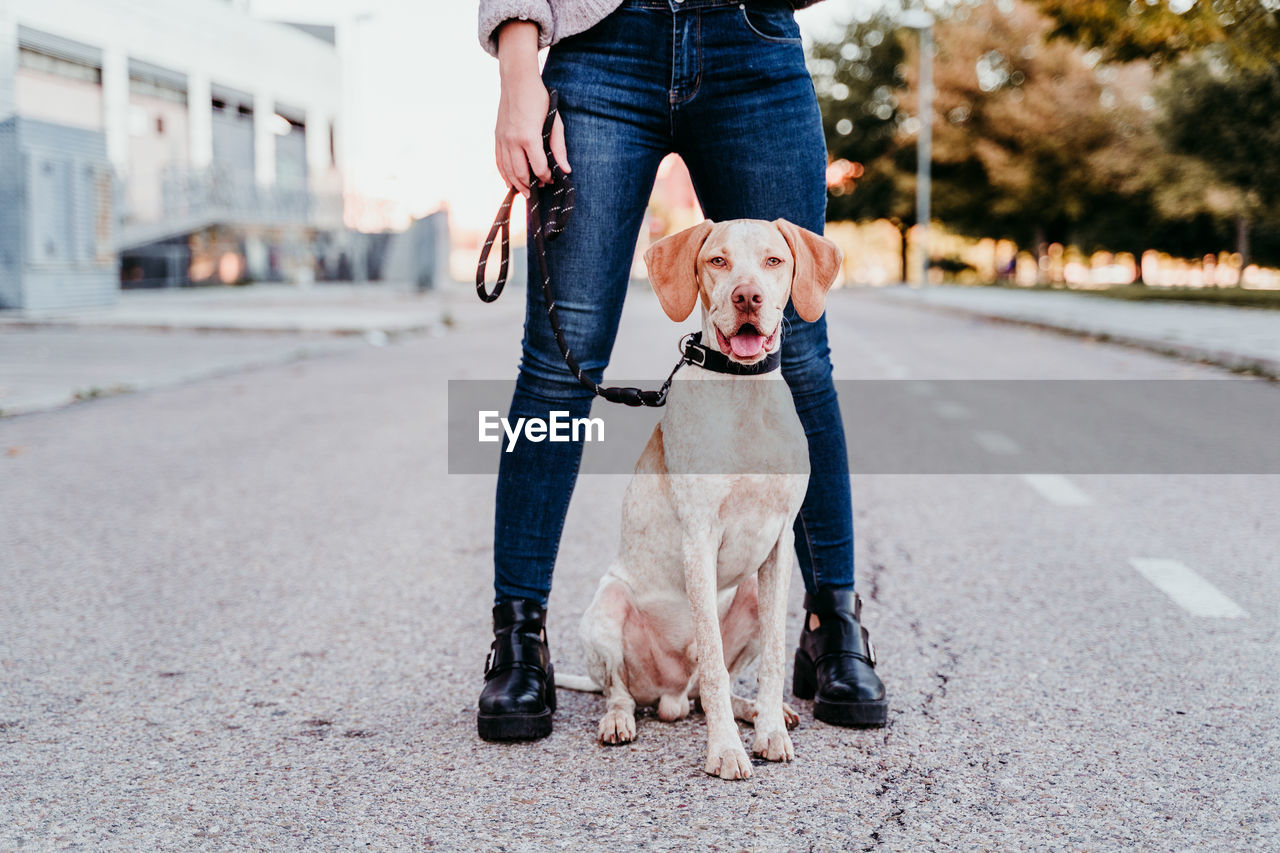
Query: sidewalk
x=342 y=309
x=1243 y=339
x=156 y=339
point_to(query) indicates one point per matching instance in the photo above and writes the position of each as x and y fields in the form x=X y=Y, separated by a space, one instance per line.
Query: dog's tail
x=581 y=683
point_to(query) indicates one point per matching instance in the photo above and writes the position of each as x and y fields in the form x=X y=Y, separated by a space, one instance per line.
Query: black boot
x=835 y=663
x=519 y=693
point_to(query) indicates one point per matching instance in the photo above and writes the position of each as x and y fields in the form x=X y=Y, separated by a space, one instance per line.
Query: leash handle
x=558 y=207
x=501 y=224
x=561 y=187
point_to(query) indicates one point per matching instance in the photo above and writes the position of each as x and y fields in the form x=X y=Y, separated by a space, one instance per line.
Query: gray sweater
x=556 y=19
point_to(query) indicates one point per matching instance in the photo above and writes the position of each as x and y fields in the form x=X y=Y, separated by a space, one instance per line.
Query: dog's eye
x=717 y=261
x=772 y=262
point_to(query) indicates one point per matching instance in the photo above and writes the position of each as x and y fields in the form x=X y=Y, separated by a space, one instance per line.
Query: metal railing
x=193 y=199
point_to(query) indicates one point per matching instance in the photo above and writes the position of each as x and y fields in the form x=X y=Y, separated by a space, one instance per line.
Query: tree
x=1124 y=31
x=859 y=80
x=1229 y=119
x=1035 y=139
x=1029 y=135
x=1220 y=99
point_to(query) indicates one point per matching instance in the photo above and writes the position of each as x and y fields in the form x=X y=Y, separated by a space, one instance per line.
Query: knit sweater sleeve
x=494 y=13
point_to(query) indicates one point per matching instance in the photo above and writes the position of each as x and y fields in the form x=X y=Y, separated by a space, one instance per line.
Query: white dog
x=699 y=589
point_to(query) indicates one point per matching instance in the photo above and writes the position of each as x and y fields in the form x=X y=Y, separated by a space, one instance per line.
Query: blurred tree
x=1033 y=141
x=1037 y=140
x=1125 y=30
x=1229 y=120
x=1220 y=107
x=859 y=80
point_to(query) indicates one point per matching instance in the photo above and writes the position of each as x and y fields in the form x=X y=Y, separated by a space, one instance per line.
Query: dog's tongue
x=746 y=346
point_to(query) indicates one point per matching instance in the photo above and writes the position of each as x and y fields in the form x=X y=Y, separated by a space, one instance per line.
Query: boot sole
x=504 y=727
x=852 y=714
x=849 y=714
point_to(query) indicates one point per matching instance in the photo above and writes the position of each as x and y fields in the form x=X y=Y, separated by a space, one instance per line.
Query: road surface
x=252 y=613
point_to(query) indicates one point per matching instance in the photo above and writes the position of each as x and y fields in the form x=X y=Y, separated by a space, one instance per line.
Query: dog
x=699 y=588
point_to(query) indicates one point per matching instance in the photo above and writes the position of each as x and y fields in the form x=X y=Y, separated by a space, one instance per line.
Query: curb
x=52 y=402
x=391 y=331
x=1246 y=365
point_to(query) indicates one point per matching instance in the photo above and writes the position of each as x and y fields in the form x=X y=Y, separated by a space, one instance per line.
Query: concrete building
x=167 y=142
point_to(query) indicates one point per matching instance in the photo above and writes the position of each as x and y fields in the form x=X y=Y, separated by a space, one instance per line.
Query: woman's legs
x=752 y=138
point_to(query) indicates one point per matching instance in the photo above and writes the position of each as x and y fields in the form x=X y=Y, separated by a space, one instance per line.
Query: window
x=48 y=64
x=153 y=88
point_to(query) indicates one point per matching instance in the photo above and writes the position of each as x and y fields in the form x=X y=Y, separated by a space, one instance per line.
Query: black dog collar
x=696 y=353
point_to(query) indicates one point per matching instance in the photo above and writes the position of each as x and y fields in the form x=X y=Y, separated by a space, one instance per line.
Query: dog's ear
x=817 y=263
x=673 y=269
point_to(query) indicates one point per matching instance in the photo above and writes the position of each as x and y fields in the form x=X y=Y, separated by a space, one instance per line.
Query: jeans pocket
x=775 y=24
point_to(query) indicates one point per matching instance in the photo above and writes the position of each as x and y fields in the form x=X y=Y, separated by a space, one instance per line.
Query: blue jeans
x=726 y=88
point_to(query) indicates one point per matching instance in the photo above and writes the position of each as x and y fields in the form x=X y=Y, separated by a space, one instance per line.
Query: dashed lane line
x=996 y=443
x=1190 y=591
x=892 y=369
x=1057 y=489
x=951 y=411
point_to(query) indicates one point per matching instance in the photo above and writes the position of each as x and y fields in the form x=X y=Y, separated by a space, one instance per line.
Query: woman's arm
x=522 y=108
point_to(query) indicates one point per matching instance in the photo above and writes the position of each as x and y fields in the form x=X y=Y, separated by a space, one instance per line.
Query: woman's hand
x=522 y=109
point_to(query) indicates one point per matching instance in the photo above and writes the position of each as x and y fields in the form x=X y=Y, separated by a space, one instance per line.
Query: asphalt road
x=252 y=613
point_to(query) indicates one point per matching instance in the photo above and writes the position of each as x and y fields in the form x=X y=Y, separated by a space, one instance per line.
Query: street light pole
x=919 y=19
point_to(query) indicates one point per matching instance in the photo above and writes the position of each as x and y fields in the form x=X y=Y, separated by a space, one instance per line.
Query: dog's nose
x=748 y=297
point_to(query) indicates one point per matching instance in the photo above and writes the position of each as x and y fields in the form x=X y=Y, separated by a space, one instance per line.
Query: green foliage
x=1220 y=100
x=1230 y=120
x=859 y=81
x=1031 y=142
x=1037 y=140
x=1165 y=30
x=1023 y=145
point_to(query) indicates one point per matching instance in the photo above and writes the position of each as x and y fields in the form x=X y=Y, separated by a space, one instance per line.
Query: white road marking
x=996 y=442
x=1195 y=594
x=1057 y=489
x=887 y=364
x=951 y=411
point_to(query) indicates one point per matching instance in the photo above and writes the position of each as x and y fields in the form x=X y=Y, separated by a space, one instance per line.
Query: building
x=164 y=142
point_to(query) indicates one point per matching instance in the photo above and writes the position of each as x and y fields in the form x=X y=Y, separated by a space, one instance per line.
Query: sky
x=424 y=94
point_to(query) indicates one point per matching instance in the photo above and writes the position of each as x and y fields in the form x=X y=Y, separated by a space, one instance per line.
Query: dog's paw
x=774 y=745
x=617 y=727
x=728 y=761
x=745 y=710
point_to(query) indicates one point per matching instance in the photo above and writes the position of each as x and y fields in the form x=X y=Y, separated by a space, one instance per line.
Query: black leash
x=558 y=206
